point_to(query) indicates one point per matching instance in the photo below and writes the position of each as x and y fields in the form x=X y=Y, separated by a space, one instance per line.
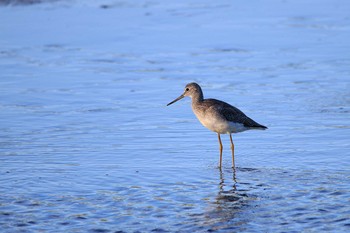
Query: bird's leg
x=220 y=161
x=233 y=152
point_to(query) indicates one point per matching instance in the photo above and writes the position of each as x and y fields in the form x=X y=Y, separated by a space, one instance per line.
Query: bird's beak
x=178 y=98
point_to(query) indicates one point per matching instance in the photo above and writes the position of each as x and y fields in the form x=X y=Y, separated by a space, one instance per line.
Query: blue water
x=87 y=143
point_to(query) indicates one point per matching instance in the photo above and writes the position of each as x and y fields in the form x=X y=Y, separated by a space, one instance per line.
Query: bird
x=218 y=116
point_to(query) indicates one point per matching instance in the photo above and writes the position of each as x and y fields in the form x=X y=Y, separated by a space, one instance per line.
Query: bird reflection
x=227 y=211
x=229 y=202
x=227 y=194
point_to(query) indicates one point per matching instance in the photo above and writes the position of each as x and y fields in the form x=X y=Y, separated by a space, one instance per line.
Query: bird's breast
x=211 y=121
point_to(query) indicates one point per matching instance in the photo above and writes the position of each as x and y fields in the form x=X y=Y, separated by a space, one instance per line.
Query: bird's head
x=191 y=90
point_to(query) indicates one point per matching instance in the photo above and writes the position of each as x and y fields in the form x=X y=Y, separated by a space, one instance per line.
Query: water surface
x=88 y=145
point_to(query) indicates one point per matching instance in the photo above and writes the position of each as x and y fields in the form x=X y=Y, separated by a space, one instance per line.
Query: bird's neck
x=198 y=97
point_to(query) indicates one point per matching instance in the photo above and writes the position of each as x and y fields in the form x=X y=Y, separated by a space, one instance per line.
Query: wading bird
x=218 y=116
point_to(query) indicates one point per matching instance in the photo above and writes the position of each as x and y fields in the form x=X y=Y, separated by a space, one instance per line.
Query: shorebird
x=218 y=116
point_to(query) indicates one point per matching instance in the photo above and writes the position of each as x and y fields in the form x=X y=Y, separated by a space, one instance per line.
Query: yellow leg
x=233 y=152
x=220 y=161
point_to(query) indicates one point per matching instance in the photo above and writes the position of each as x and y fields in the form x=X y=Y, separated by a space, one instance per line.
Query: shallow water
x=87 y=144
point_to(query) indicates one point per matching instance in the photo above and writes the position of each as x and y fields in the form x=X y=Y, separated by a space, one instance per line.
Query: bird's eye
x=187 y=89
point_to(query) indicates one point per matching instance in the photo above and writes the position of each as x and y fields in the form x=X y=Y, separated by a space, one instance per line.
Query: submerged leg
x=220 y=161
x=233 y=152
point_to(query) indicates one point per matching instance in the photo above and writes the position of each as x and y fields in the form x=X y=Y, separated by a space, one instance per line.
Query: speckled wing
x=233 y=114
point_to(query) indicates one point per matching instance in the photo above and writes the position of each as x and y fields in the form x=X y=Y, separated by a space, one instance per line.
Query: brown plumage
x=231 y=113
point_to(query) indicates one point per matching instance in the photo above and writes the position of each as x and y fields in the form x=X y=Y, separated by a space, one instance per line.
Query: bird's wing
x=233 y=114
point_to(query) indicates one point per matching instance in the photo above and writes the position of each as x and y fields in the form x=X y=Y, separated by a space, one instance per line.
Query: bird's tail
x=260 y=127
